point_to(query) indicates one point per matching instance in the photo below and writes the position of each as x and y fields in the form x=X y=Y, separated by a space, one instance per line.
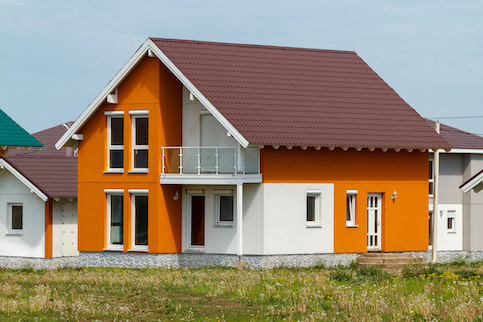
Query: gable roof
x=266 y=95
x=475 y=182
x=459 y=139
x=12 y=134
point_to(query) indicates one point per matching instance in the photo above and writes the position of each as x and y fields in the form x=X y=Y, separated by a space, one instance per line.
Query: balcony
x=210 y=165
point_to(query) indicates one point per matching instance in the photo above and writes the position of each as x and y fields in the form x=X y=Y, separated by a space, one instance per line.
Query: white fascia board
x=473 y=183
x=22 y=179
x=193 y=90
x=467 y=151
x=111 y=86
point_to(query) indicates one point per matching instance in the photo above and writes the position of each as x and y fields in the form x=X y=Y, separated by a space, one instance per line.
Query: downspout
x=434 y=228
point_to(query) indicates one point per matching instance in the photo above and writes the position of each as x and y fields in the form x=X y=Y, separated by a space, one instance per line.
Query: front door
x=374 y=221
x=197 y=221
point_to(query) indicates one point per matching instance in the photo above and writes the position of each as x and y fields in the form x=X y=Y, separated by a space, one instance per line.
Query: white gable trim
x=473 y=183
x=474 y=151
x=4 y=164
x=148 y=46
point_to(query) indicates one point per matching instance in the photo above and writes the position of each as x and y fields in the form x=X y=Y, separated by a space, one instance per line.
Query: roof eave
x=7 y=166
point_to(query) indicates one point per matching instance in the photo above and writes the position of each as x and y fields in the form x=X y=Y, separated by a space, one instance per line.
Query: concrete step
x=390 y=262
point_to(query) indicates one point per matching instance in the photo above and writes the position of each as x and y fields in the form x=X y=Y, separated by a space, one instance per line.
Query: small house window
x=350 y=216
x=140 y=141
x=225 y=208
x=451 y=221
x=312 y=213
x=15 y=216
x=431 y=177
x=115 y=141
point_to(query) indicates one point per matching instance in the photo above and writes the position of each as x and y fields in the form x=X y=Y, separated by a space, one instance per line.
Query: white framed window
x=431 y=178
x=225 y=207
x=140 y=140
x=115 y=141
x=115 y=219
x=15 y=218
x=139 y=220
x=451 y=221
x=351 y=199
x=312 y=211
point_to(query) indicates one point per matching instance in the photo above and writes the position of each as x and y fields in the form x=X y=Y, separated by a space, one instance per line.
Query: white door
x=374 y=221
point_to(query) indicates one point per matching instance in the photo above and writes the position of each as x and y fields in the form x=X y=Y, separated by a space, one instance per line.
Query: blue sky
x=56 y=56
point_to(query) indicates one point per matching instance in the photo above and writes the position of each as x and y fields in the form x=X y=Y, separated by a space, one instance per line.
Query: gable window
x=431 y=178
x=140 y=144
x=224 y=203
x=15 y=218
x=139 y=220
x=312 y=215
x=451 y=221
x=115 y=141
x=350 y=217
x=115 y=219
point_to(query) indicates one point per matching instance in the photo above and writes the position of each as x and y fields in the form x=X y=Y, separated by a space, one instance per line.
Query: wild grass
x=440 y=292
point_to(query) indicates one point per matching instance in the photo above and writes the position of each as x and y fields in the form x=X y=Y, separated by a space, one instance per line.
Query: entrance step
x=390 y=262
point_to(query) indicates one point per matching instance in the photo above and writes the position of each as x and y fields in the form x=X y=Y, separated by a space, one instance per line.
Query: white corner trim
x=147 y=48
x=473 y=183
x=22 y=179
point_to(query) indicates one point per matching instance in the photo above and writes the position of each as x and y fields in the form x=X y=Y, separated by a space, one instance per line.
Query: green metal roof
x=12 y=134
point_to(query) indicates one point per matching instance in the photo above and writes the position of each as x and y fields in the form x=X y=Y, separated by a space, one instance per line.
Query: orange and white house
x=200 y=153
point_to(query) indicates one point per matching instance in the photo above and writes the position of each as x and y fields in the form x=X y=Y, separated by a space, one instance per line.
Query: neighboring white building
x=460 y=215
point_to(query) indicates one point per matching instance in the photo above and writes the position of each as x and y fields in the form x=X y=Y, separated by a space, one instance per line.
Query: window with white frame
x=15 y=218
x=312 y=213
x=115 y=141
x=139 y=220
x=115 y=219
x=431 y=177
x=140 y=142
x=451 y=221
x=225 y=208
x=350 y=217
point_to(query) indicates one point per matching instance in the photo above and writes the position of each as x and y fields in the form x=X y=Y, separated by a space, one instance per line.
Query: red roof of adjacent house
x=298 y=96
x=459 y=139
x=48 y=138
x=55 y=176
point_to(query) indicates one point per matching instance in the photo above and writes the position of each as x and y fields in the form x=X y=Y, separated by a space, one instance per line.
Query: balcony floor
x=210 y=179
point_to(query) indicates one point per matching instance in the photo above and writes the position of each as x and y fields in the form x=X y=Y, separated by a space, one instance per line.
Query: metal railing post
x=180 y=160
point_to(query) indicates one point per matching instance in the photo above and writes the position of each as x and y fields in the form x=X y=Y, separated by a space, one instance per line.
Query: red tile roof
x=459 y=139
x=48 y=138
x=297 y=96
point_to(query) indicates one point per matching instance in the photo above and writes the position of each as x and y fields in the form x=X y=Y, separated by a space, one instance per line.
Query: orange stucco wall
x=150 y=86
x=404 y=220
x=48 y=228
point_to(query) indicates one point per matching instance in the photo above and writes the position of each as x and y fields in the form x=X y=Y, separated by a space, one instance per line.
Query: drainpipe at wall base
x=434 y=228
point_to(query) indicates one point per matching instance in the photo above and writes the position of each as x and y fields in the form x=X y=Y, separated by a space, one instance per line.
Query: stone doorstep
x=387 y=255
x=390 y=262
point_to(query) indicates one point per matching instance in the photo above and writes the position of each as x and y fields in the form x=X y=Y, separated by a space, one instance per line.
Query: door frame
x=190 y=195
x=374 y=244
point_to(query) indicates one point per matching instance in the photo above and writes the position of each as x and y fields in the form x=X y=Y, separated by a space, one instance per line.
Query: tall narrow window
x=140 y=142
x=115 y=220
x=139 y=223
x=313 y=208
x=451 y=221
x=15 y=214
x=350 y=216
x=224 y=203
x=431 y=177
x=115 y=141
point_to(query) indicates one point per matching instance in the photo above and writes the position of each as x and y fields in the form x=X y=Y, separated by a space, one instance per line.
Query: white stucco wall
x=64 y=228
x=32 y=241
x=449 y=240
x=285 y=227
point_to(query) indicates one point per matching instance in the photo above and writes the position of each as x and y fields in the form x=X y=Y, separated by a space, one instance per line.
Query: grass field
x=449 y=292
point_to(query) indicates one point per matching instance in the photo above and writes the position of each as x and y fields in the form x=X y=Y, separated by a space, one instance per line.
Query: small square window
x=225 y=209
x=451 y=221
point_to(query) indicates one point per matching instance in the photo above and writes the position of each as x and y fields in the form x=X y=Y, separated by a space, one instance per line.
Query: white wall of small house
x=64 y=228
x=285 y=229
x=449 y=239
x=31 y=243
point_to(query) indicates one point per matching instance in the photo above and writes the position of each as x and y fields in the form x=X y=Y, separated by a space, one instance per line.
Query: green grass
x=444 y=292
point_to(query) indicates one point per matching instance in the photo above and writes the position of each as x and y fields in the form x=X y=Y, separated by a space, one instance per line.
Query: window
x=224 y=203
x=115 y=141
x=140 y=145
x=139 y=223
x=350 y=216
x=115 y=219
x=451 y=221
x=431 y=177
x=15 y=218
x=313 y=208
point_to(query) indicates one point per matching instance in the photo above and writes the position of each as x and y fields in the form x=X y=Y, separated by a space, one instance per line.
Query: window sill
x=224 y=226
x=14 y=234
x=451 y=232
x=114 y=171
x=114 y=249
x=314 y=226
x=351 y=226
x=139 y=171
x=138 y=250
x=198 y=250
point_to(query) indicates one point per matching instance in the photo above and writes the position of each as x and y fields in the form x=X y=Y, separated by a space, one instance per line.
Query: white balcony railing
x=210 y=160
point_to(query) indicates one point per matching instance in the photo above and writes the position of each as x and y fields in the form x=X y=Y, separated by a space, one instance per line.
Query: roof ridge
x=272 y=47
